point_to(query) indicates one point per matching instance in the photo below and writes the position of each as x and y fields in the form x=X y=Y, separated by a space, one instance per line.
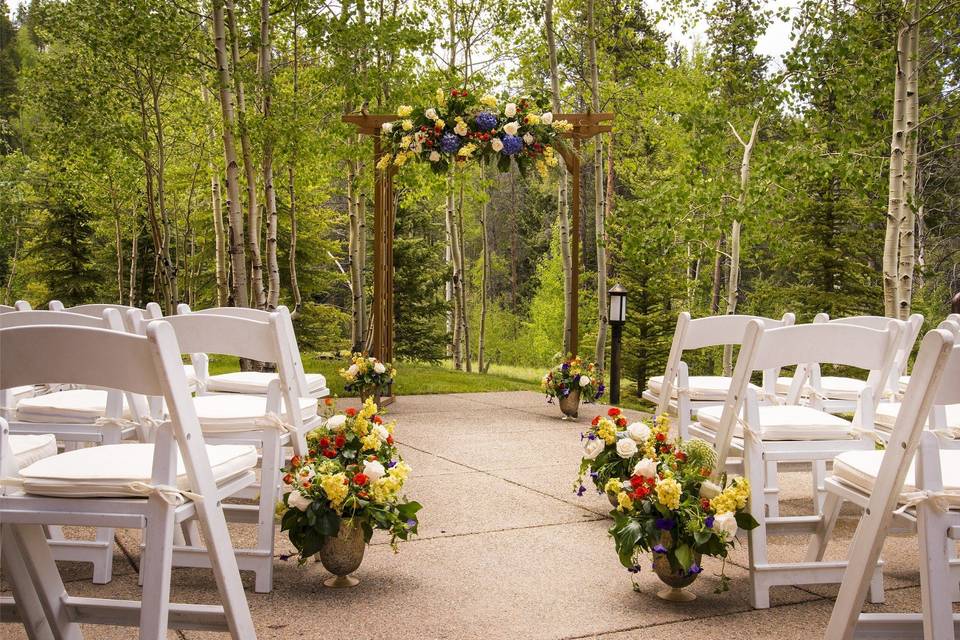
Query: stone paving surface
x=507 y=550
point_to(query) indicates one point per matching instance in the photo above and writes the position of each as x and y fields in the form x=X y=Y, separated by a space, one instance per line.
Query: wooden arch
x=585 y=126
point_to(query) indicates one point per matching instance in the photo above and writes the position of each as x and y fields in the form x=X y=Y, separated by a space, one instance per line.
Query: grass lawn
x=418 y=378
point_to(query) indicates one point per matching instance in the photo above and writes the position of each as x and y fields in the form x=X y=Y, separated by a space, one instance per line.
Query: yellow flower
x=400 y=160
x=467 y=150
x=407 y=125
x=612 y=486
x=361 y=426
x=562 y=126
x=386 y=488
x=370 y=442
x=441 y=97
x=542 y=168
x=404 y=110
x=369 y=408
x=439 y=124
x=384 y=161
x=668 y=493
x=607 y=431
x=336 y=488
x=624 y=502
x=488 y=100
x=533 y=118
x=400 y=470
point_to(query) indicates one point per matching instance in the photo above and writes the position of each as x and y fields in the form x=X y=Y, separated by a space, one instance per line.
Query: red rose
x=636 y=482
x=328 y=402
x=389 y=439
x=613 y=412
x=596 y=421
x=377 y=420
x=305 y=484
x=329 y=453
x=454 y=93
x=351 y=412
x=704 y=504
x=324 y=442
x=295 y=461
x=340 y=441
x=360 y=479
x=288 y=479
x=681 y=456
x=622 y=422
x=661 y=437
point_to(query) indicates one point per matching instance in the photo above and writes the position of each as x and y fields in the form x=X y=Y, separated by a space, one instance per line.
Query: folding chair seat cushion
x=109 y=470
x=701 y=387
x=19 y=393
x=785 y=422
x=886 y=415
x=239 y=412
x=28 y=448
x=73 y=406
x=833 y=387
x=860 y=468
x=256 y=382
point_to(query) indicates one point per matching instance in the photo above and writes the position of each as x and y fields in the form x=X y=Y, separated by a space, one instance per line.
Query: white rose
x=298 y=501
x=726 y=523
x=353 y=370
x=379 y=368
x=511 y=128
x=709 y=490
x=431 y=113
x=592 y=448
x=387 y=127
x=646 y=468
x=639 y=432
x=527 y=138
x=584 y=381
x=381 y=432
x=460 y=129
x=626 y=448
x=434 y=156
x=335 y=423
x=374 y=470
x=497 y=145
x=510 y=110
x=546 y=118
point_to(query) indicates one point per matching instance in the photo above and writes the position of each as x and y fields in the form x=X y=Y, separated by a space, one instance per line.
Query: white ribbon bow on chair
x=939 y=500
x=273 y=420
x=171 y=495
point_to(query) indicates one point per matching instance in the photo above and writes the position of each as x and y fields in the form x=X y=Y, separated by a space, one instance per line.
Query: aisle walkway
x=507 y=550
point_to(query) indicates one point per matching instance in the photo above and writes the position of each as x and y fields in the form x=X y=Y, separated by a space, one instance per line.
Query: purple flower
x=708 y=522
x=450 y=142
x=592 y=436
x=485 y=121
x=391 y=464
x=511 y=145
x=411 y=523
x=634 y=569
x=659 y=549
x=576 y=379
x=694 y=569
x=664 y=524
x=594 y=475
x=566 y=366
x=582 y=490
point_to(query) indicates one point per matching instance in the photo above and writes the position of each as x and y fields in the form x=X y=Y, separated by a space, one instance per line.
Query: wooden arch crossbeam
x=585 y=126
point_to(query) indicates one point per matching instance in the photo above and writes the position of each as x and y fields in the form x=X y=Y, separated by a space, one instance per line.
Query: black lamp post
x=617 y=315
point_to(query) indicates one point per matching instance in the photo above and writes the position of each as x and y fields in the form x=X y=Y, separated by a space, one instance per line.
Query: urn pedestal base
x=340 y=582
x=676 y=594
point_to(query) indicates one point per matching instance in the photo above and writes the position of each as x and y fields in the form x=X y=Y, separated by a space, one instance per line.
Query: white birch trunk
x=599 y=203
x=891 y=292
x=907 y=233
x=269 y=194
x=484 y=277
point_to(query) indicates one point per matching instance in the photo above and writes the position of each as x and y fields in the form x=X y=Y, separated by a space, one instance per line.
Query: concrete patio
x=507 y=550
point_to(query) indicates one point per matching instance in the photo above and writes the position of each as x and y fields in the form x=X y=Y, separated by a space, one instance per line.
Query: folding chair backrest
x=151 y=312
x=910 y=329
x=22 y=305
x=109 y=320
x=841 y=344
x=261 y=316
x=5 y=308
x=710 y=331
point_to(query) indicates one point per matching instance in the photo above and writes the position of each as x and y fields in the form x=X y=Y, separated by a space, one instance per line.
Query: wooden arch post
x=584 y=127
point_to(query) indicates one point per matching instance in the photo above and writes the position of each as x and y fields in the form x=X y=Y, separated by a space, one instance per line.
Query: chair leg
x=269 y=475
x=754 y=468
x=24 y=594
x=191 y=533
x=772 y=491
x=828 y=520
x=155 y=570
x=38 y=561
x=819 y=490
x=876 y=587
x=103 y=559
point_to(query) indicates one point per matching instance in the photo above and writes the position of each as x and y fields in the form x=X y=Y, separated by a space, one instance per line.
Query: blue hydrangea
x=485 y=121
x=450 y=142
x=511 y=145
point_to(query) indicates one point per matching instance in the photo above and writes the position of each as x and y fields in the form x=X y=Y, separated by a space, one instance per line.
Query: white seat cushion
x=27 y=449
x=833 y=387
x=105 y=471
x=861 y=468
x=701 y=387
x=74 y=406
x=256 y=382
x=787 y=422
x=886 y=415
x=19 y=393
x=238 y=412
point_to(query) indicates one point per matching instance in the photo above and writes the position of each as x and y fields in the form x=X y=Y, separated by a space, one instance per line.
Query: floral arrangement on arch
x=573 y=374
x=352 y=471
x=461 y=126
x=364 y=373
x=665 y=502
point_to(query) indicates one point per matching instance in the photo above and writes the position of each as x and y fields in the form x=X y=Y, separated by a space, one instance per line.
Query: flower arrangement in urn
x=666 y=503
x=349 y=484
x=570 y=382
x=367 y=377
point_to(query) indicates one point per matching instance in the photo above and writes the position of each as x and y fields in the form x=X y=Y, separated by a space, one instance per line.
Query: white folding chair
x=22 y=305
x=905 y=379
x=839 y=394
x=257 y=382
x=145 y=486
x=886 y=490
x=273 y=421
x=764 y=436
x=677 y=390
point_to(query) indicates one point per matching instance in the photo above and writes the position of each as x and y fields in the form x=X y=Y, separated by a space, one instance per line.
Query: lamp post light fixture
x=617 y=315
